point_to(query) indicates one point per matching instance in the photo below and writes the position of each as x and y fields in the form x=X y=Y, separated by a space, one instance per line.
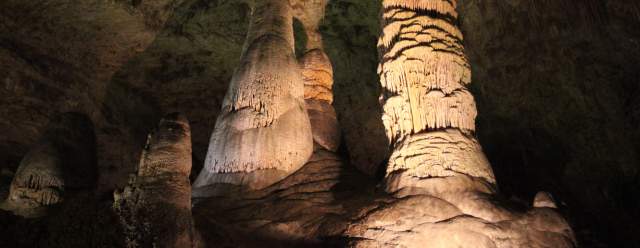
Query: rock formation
x=317 y=75
x=444 y=188
x=555 y=84
x=263 y=133
x=38 y=183
x=155 y=208
x=305 y=207
x=318 y=79
x=429 y=114
x=62 y=161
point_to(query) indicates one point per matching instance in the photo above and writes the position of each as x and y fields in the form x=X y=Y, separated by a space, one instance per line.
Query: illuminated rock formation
x=317 y=75
x=429 y=113
x=302 y=207
x=443 y=186
x=155 y=208
x=38 y=183
x=318 y=80
x=263 y=133
x=62 y=161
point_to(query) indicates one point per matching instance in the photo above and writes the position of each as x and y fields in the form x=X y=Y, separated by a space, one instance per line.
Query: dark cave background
x=557 y=85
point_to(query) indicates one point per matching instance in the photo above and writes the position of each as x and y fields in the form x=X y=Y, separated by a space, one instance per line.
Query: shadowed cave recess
x=320 y=123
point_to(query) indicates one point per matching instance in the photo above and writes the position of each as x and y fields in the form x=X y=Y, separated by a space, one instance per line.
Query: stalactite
x=441 y=182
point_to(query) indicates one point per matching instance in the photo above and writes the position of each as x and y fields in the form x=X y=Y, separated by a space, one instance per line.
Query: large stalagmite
x=303 y=207
x=443 y=186
x=263 y=132
x=155 y=208
x=429 y=114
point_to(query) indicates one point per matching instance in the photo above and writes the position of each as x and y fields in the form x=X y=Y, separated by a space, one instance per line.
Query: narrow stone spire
x=317 y=75
x=155 y=207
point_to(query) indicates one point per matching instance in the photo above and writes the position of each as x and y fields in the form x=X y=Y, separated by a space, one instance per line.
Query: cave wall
x=556 y=83
x=557 y=90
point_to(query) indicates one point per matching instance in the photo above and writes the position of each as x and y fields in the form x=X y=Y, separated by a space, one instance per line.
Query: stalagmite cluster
x=273 y=176
x=263 y=132
x=442 y=184
x=62 y=161
x=301 y=208
x=155 y=208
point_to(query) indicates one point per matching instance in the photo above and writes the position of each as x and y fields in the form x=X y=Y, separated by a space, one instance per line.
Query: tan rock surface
x=263 y=128
x=155 y=208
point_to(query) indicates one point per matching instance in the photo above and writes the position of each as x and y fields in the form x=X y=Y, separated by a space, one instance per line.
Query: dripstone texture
x=555 y=84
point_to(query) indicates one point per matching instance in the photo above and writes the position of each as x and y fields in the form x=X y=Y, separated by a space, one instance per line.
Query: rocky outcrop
x=62 y=162
x=263 y=133
x=38 y=183
x=155 y=208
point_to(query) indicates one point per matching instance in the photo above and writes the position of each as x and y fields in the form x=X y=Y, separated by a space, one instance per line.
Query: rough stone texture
x=442 y=185
x=568 y=71
x=63 y=160
x=155 y=208
x=38 y=183
x=456 y=211
x=263 y=128
x=350 y=31
x=60 y=56
x=556 y=85
x=311 y=204
x=429 y=115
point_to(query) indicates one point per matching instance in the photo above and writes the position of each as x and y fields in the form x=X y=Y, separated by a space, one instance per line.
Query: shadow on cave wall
x=555 y=84
x=350 y=32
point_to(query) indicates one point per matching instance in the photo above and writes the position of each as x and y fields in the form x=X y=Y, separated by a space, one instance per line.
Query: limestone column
x=429 y=114
x=442 y=186
x=263 y=133
x=155 y=207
